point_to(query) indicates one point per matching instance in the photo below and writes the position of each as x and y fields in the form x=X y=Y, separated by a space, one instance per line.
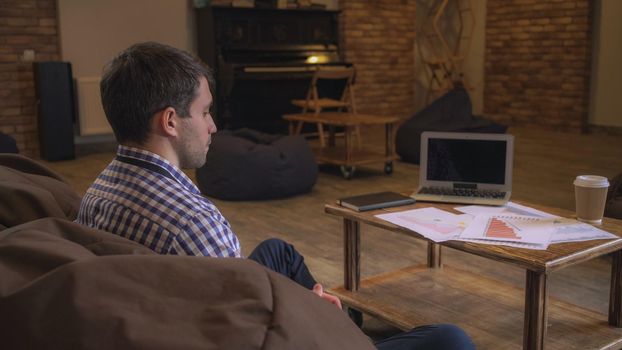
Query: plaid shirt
x=143 y=197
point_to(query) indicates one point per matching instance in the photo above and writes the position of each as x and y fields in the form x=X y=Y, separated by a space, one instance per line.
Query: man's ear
x=166 y=122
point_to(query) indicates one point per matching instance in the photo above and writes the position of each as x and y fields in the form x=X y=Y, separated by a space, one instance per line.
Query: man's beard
x=191 y=156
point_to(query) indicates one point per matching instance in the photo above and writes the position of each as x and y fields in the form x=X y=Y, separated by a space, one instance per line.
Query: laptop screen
x=467 y=160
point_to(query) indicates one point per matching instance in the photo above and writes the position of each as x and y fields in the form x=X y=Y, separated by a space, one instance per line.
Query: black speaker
x=55 y=109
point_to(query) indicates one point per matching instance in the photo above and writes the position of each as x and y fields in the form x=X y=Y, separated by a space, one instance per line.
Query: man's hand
x=319 y=290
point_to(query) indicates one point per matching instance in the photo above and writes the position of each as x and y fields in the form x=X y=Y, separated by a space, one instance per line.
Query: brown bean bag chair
x=29 y=191
x=67 y=286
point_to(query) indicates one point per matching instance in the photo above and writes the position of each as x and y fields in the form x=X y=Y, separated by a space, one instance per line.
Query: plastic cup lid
x=591 y=181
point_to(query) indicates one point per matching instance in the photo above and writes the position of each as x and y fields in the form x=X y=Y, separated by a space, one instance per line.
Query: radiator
x=91 y=117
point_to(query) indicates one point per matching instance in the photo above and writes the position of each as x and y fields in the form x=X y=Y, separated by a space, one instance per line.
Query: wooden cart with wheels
x=348 y=156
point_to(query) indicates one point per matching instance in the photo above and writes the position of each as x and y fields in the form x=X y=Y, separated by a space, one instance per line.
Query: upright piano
x=263 y=58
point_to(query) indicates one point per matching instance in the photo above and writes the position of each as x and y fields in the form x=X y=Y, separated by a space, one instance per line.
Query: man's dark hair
x=147 y=78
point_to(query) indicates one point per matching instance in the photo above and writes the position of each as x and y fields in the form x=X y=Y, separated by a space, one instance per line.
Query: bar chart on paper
x=499 y=229
x=510 y=228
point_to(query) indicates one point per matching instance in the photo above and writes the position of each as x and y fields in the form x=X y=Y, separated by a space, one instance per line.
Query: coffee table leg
x=351 y=254
x=536 y=314
x=615 y=294
x=434 y=255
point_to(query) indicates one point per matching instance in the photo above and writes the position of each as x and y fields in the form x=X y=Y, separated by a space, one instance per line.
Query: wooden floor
x=545 y=164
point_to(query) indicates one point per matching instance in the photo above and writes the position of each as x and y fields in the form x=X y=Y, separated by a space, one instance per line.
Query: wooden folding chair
x=315 y=103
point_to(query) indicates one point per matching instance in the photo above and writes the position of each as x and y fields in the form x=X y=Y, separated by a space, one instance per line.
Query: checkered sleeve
x=208 y=234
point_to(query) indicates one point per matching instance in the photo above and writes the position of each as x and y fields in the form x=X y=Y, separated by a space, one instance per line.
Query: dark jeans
x=283 y=258
x=430 y=337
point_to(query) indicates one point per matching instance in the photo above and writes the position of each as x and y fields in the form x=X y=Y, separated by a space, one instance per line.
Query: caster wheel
x=388 y=167
x=347 y=171
x=356 y=316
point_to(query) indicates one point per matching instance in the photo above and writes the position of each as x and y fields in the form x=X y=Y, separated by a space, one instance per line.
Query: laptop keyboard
x=462 y=192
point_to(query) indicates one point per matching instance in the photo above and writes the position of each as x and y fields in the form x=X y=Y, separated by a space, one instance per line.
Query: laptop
x=469 y=168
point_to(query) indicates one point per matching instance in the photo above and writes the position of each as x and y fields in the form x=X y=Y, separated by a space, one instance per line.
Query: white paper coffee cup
x=590 y=197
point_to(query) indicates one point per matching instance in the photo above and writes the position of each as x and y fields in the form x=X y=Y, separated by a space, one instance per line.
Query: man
x=157 y=100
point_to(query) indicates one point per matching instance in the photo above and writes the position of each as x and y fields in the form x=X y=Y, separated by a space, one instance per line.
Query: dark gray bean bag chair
x=613 y=208
x=451 y=112
x=7 y=144
x=250 y=165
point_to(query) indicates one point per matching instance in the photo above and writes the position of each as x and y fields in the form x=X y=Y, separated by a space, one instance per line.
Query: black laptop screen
x=469 y=161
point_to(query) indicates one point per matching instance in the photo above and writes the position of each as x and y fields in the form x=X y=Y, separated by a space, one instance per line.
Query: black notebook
x=377 y=200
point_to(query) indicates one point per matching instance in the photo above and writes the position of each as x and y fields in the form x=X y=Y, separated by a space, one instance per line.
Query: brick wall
x=378 y=37
x=538 y=63
x=536 y=71
x=24 y=24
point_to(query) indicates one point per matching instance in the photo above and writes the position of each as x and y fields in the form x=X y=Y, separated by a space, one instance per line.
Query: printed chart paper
x=566 y=230
x=534 y=246
x=435 y=224
x=510 y=208
x=512 y=225
x=511 y=228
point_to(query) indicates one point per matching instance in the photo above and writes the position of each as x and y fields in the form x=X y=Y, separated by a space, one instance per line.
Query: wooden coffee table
x=349 y=156
x=496 y=314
